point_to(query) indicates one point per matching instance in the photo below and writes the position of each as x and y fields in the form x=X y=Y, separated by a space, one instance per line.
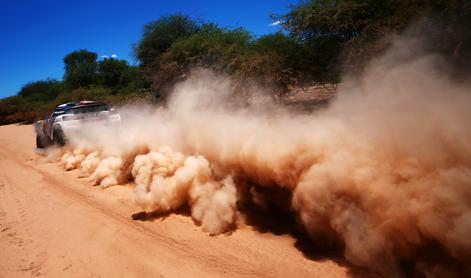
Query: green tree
x=112 y=71
x=133 y=79
x=160 y=34
x=212 y=46
x=80 y=68
x=358 y=30
x=274 y=59
x=42 y=90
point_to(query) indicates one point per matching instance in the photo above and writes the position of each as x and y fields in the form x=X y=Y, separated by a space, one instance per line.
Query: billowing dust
x=384 y=170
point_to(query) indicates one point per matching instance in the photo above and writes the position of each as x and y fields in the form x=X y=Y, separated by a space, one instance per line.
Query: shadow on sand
x=155 y=215
x=281 y=223
x=277 y=223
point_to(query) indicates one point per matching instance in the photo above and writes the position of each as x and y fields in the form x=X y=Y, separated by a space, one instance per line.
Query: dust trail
x=385 y=170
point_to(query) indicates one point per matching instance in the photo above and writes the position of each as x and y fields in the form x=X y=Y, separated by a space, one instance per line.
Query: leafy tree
x=133 y=79
x=211 y=46
x=274 y=59
x=358 y=28
x=42 y=90
x=344 y=19
x=320 y=61
x=111 y=72
x=8 y=106
x=159 y=35
x=80 y=68
x=277 y=44
x=118 y=74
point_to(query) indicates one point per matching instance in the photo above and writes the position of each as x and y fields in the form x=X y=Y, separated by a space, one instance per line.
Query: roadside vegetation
x=317 y=42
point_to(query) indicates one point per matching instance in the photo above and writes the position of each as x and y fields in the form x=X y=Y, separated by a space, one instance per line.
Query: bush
x=212 y=47
x=111 y=72
x=275 y=59
x=42 y=90
x=358 y=30
x=159 y=35
x=80 y=68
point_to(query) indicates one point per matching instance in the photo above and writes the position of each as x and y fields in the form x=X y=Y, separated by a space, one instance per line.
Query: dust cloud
x=384 y=170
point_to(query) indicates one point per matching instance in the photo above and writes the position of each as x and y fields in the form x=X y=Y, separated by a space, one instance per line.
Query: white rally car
x=69 y=118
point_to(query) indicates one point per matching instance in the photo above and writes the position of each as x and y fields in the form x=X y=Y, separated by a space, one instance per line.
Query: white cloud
x=114 y=56
x=275 y=23
x=104 y=56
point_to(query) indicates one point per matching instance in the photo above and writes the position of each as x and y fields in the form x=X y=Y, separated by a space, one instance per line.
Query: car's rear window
x=89 y=109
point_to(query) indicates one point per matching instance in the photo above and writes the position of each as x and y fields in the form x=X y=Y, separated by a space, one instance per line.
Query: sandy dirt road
x=54 y=224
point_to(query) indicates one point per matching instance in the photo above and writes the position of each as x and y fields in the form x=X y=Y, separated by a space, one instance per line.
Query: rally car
x=70 y=118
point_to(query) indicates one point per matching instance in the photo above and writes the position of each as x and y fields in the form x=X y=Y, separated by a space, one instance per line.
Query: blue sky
x=35 y=35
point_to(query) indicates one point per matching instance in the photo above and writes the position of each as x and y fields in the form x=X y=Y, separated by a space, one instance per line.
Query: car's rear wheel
x=41 y=141
x=59 y=136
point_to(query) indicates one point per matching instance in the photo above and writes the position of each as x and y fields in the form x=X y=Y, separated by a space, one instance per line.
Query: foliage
x=318 y=40
x=212 y=47
x=361 y=26
x=80 y=68
x=288 y=60
x=160 y=34
x=132 y=79
x=112 y=72
x=42 y=90
x=318 y=18
x=274 y=59
x=321 y=59
x=114 y=82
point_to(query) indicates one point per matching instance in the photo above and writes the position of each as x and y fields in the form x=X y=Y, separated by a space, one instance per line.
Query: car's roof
x=83 y=103
x=65 y=105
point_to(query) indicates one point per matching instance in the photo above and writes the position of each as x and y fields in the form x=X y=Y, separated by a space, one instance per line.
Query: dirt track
x=53 y=224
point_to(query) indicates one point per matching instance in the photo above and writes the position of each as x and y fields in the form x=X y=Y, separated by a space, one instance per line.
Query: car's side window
x=57 y=113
